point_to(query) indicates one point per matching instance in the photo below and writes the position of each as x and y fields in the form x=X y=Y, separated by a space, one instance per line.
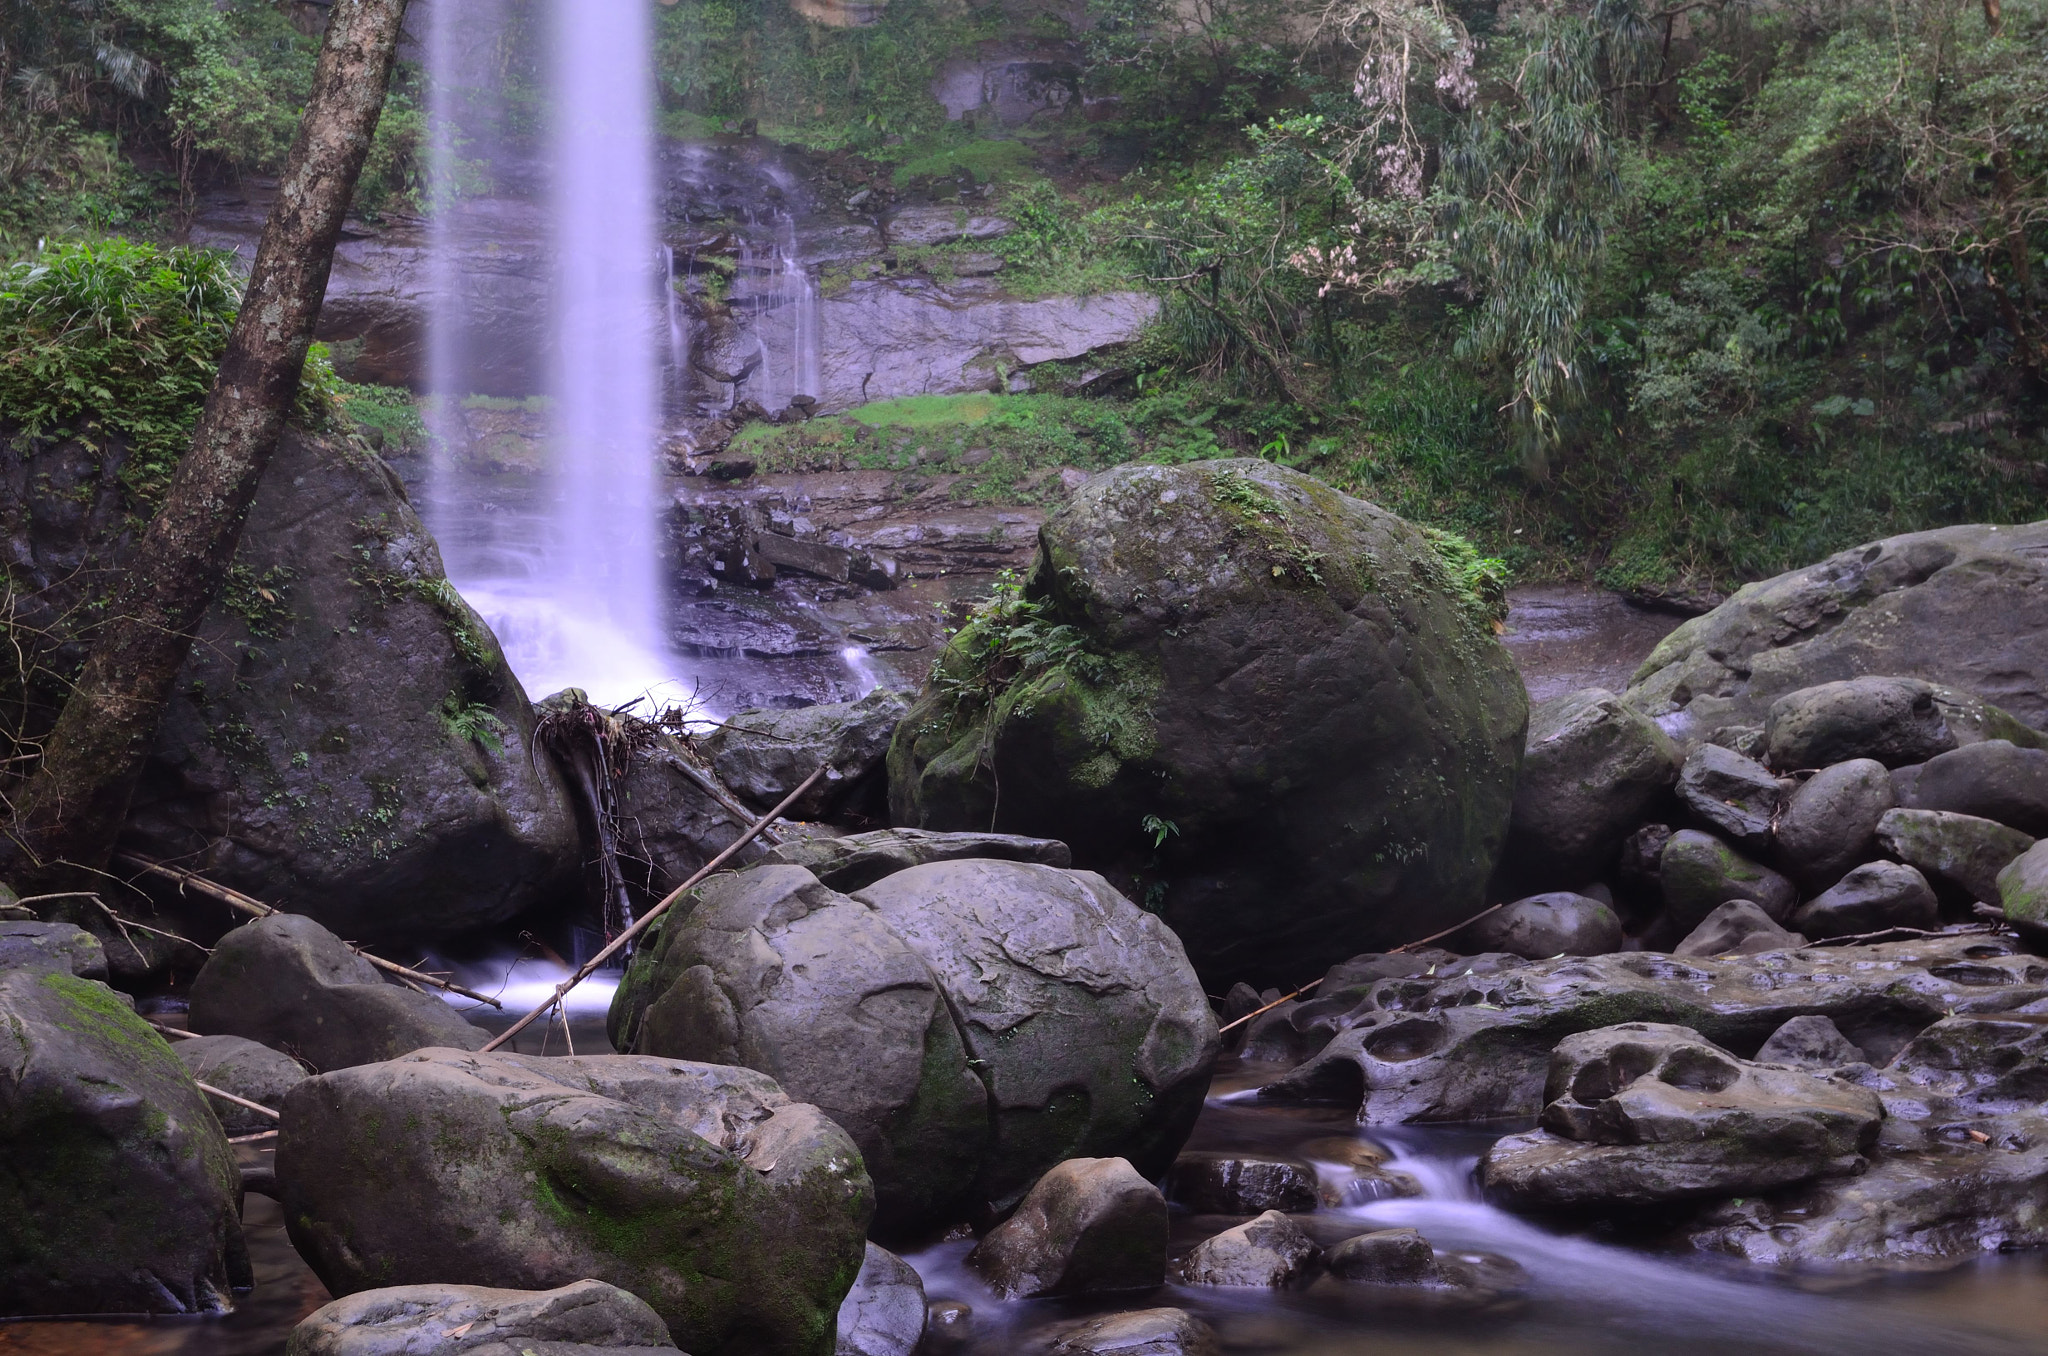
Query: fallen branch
x=177 y=1031
x=125 y=923
x=211 y=1091
x=1904 y=934
x=1405 y=946
x=618 y=943
x=251 y=1139
x=256 y=908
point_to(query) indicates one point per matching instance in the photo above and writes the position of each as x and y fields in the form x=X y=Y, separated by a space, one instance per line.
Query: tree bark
x=69 y=814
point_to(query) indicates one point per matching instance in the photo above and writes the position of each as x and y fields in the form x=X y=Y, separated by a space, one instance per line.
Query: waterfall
x=577 y=601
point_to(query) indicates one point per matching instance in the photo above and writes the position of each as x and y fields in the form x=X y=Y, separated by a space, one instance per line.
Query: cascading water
x=578 y=601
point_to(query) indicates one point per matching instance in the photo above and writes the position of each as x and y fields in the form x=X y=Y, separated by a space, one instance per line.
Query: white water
x=574 y=595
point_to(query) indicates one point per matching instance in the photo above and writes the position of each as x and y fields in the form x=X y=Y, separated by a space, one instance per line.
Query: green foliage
x=1480 y=582
x=115 y=338
x=1158 y=830
x=473 y=722
x=1006 y=640
x=263 y=602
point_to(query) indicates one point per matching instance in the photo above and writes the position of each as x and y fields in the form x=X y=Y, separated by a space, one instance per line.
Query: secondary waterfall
x=573 y=590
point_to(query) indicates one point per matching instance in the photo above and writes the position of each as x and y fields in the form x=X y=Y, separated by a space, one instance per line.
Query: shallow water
x=1584 y=1298
x=1568 y=636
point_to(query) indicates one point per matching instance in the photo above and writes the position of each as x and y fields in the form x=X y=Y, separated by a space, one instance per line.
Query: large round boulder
x=1283 y=710
x=1078 y=1009
x=989 y=1020
x=1960 y=606
x=345 y=738
x=766 y=961
x=118 y=1192
x=739 y=1215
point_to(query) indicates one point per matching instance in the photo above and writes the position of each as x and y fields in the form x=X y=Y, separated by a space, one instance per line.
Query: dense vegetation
x=1675 y=293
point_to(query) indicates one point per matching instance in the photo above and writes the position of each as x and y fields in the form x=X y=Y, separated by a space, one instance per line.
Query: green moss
x=263 y=602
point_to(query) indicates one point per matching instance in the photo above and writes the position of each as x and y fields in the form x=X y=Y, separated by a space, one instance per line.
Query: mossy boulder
x=1277 y=714
x=739 y=1215
x=345 y=739
x=118 y=1192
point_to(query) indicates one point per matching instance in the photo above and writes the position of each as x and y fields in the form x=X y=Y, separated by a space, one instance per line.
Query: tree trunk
x=67 y=817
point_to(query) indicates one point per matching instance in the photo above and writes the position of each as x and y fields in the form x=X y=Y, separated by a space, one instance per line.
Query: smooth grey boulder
x=1961 y=852
x=1295 y=680
x=1477 y=1046
x=585 y=1318
x=858 y=860
x=1592 y=769
x=765 y=754
x=1699 y=873
x=1139 y=1332
x=2023 y=890
x=246 y=1069
x=1385 y=1257
x=118 y=1192
x=1960 y=606
x=1737 y=928
x=765 y=963
x=1830 y=822
x=739 y=1215
x=1078 y=1010
x=1236 y=1184
x=25 y=944
x=1873 y=897
x=1992 y=780
x=288 y=983
x=1559 y=924
x=1735 y=796
x=1811 y=1042
x=1091 y=1225
x=1271 y=1250
x=1893 y=720
x=1648 y=1112
x=884 y=1314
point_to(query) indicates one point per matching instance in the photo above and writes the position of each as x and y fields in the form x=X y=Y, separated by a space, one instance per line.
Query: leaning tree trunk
x=68 y=815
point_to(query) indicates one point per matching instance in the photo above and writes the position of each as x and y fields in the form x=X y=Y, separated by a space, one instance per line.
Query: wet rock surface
x=588 y=1318
x=1189 y=588
x=1698 y=873
x=1961 y=852
x=288 y=983
x=1226 y=1184
x=1140 y=1332
x=765 y=755
x=1471 y=1047
x=1895 y=721
x=739 y=1215
x=119 y=1194
x=1271 y=1251
x=25 y=944
x=1647 y=1112
x=1736 y=797
x=1994 y=780
x=1091 y=1225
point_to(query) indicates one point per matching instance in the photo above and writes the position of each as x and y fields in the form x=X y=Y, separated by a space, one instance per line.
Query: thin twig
x=226 y=1096
x=177 y=1031
x=251 y=1139
x=1906 y=934
x=618 y=943
x=125 y=923
x=256 y=908
x=1405 y=946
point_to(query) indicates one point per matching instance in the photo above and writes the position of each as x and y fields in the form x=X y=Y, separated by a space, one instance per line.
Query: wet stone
x=1229 y=1184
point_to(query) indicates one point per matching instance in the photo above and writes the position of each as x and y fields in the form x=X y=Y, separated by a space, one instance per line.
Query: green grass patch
x=998 y=162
